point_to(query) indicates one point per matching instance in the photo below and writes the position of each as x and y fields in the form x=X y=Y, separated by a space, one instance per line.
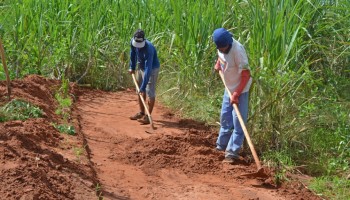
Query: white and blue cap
x=138 y=40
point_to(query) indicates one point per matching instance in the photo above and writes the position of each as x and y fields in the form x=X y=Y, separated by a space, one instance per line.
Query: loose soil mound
x=117 y=158
x=36 y=161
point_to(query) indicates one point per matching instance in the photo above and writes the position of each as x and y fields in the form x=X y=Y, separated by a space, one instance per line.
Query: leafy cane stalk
x=2 y=51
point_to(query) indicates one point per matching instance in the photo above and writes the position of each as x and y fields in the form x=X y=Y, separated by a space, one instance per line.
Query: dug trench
x=113 y=157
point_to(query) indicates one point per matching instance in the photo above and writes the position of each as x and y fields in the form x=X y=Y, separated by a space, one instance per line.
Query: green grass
x=334 y=188
x=18 y=109
x=78 y=151
x=64 y=105
x=64 y=101
x=65 y=128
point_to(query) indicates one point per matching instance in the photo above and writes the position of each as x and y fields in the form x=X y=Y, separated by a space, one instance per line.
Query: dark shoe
x=144 y=120
x=230 y=160
x=219 y=149
x=137 y=116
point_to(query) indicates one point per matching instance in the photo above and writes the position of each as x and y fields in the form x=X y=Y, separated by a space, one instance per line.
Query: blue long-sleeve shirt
x=147 y=60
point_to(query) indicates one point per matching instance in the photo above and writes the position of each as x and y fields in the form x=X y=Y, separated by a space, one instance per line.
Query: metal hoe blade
x=259 y=174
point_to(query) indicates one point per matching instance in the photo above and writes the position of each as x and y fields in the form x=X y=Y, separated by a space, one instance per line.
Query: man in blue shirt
x=144 y=54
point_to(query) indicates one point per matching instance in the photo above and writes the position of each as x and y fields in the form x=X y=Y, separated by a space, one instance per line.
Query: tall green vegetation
x=301 y=58
x=298 y=51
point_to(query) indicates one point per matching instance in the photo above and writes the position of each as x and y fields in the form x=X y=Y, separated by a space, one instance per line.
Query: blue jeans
x=231 y=134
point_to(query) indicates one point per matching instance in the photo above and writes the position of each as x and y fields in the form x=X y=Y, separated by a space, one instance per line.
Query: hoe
x=260 y=172
x=143 y=102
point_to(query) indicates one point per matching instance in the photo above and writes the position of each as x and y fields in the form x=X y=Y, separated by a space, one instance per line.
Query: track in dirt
x=176 y=161
x=116 y=158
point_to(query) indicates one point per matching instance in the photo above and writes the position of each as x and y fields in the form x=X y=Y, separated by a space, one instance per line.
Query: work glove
x=234 y=98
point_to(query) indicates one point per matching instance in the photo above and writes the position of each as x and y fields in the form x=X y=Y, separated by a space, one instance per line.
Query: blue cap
x=222 y=37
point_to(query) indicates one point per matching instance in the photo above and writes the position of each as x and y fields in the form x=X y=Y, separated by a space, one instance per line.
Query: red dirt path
x=112 y=157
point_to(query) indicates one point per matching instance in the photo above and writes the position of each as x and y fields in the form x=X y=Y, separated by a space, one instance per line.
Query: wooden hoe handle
x=143 y=101
x=251 y=146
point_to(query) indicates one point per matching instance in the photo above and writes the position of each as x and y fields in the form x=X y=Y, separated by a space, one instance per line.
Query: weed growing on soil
x=19 y=110
x=281 y=162
x=65 y=128
x=333 y=187
x=78 y=151
x=98 y=189
x=64 y=104
x=2 y=116
x=63 y=99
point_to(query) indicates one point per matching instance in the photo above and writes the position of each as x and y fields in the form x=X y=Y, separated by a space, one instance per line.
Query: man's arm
x=242 y=60
x=132 y=59
x=148 y=68
x=245 y=76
